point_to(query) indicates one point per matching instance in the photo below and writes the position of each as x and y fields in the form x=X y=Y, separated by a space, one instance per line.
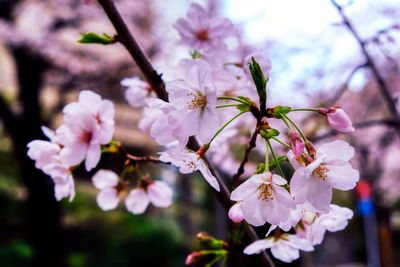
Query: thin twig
x=144 y=158
x=383 y=87
x=155 y=80
x=252 y=144
x=359 y=125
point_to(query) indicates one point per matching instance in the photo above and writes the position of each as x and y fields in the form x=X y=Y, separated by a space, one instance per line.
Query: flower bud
x=235 y=213
x=296 y=144
x=193 y=257
x=337 y=119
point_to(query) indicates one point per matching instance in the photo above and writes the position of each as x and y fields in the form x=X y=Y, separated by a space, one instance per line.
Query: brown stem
x=144 y=158
x=155 y=80
x=252 y=144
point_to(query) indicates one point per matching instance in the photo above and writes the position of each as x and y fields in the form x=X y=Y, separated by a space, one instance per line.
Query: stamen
x=202 y=35
x=266 y=192
x=321 y=171
x=197 y=101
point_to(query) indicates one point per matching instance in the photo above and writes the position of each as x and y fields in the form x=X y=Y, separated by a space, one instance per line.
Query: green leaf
x=243 y=107
x=260 y=168
x=94 y=38
x=278 y=111
x=196 y=54
x=259 y=80
x=268 y=133
x=273 y=164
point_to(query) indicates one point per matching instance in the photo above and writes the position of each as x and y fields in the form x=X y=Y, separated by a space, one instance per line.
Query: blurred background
x=317 y=60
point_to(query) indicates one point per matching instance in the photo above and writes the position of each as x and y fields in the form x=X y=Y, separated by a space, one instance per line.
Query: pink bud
x=235 y=213
x=193 y=257
x=337 y=119
x=296 y=144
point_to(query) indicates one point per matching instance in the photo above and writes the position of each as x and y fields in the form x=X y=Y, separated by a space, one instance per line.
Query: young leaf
x=259 y=80
x=94 y=38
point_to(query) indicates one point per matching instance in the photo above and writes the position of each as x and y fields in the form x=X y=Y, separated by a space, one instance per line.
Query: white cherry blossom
x=106 y=181
x=137 y=91
x=189 y=162
x=285 y=248
x=314 y=183
x=158 y=193
x=264 y=199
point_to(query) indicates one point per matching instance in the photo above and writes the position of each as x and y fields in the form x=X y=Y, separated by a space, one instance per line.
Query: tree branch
x=252 y=144
x=155 y=80
x=359 y=125
x=383 y=87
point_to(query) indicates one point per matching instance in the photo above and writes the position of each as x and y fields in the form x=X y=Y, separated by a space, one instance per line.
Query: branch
x=8 y=118
x=339 y=92
x=252 y=144
x=144 y=159
x=383 y=87
x=365 y=124
x=151 y=76
x=126 y=39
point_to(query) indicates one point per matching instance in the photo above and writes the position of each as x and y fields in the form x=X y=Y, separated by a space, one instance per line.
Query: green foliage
x=268 y=133
x=259 y=80
x=278 y=111
x=94 y=38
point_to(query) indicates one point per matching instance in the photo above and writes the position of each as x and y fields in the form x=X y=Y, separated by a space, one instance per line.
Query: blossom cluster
x=217 y=99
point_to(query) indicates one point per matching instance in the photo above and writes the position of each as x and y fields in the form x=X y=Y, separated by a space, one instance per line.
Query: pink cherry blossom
x=296 y=144
x=264 y=199
x=189 y=162
x=158 y=193
x=89 y=123
x=163 y=122
x=236 y=213
x=285 y=248
x=106 y=181
x=137 y=91
x=337 y=119
x=313 y=184
x=203 y=32
x=195 y=98
x=42 y=152
x=336 y=220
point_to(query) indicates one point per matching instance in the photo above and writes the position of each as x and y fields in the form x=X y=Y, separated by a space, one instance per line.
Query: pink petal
x=107 y=199
x=105 y=179
x=137 y=201
x=258 y=246
x=235 y=213
x=160 y=194
x=343 y=177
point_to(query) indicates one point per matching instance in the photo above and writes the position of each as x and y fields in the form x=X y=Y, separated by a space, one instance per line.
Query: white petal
x=336 y=150
x=279 y=180
x=343 y=177
x=248 y=188
x=160 y=194
x=299 y=185
x=107 y=199
x=105 y=179
x=319 y=194
x=252 y=210
x=205 y=171
x=284 y=253
x=258 y=246
x=137 y=201
x=92 y=156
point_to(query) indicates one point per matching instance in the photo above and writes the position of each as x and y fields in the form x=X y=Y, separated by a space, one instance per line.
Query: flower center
x=321 y=171
x=197 y=101
x=266 y=192
x=190 y=164
x=85 y=136
x=202 y=35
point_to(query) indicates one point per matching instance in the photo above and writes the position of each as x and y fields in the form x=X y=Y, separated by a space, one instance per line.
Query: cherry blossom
x=158 y=193
x=296 y=144
x=330 y=169
x=236 y=213
x=106 y=181
x=137 y=91
x=336 y=220
x=201 y=31
x=285 y=247
x=189 y=162
x=264 y=199
x=337 y=119
x=89 y=124
x=195 y=97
